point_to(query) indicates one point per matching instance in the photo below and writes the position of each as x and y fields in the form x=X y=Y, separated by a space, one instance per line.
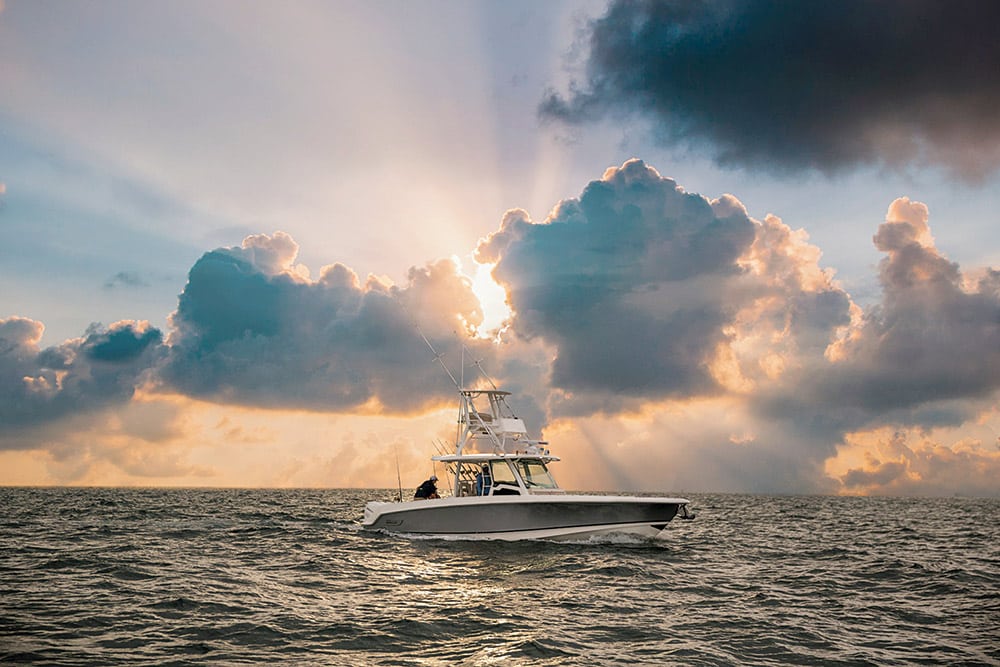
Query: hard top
x=483 y=457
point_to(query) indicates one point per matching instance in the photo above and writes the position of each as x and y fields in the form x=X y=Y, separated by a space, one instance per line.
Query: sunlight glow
x=492 y=299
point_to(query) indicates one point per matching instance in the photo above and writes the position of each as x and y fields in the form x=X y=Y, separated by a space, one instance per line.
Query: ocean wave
x=153 y=576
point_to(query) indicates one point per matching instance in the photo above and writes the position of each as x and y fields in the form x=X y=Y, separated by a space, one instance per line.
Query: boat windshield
x=534 y=473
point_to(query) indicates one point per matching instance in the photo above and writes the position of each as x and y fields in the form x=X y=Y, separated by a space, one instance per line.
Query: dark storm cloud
x=81 y=375
x=787 y=85
x=248 y=330
x=630 y=283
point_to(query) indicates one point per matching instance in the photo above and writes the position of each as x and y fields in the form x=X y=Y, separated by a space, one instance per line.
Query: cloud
x=629 y=282
x=82 y=375
x=785 y=85
x=928 y=354
x=647 y=319
x=896 y=465
x=142 y=441
x=125 y=279
x=251 y=328
x=647 y=295
x=647 y=292
x=675 y=446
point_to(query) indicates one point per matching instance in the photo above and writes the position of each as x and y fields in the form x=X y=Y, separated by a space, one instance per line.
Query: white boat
x=501 y=488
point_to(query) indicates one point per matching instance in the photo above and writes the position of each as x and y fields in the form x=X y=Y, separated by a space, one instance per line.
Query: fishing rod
x=442 y=450
x=399 y=480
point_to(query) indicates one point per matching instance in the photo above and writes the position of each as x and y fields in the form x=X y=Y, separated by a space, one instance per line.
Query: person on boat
x=483 y=481
x=427 y=490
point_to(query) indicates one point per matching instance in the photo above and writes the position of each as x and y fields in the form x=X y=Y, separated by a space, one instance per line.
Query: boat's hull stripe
x=521 y=518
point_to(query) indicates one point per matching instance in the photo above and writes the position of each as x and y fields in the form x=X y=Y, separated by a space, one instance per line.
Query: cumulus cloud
x=904 y=463
x=646 y=292
x=629 y=282
x=789 y=85
x=928 y=354
x=101 y=369
x=710 y=344
x=251 y=328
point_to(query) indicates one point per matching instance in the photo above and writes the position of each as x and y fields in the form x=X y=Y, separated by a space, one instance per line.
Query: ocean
x=248 y=577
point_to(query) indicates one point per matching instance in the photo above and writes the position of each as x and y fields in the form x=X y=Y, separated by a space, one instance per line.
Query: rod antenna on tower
x=437 y=358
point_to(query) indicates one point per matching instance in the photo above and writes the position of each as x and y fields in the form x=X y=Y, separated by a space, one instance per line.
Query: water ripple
x=152 y=576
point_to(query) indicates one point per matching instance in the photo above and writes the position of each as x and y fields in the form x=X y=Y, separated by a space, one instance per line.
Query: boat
x=501 y=487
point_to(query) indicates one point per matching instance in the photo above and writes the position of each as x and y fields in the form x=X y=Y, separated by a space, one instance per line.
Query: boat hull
x=525 y=517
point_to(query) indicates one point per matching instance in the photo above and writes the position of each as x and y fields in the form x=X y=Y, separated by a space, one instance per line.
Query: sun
x=492 y=299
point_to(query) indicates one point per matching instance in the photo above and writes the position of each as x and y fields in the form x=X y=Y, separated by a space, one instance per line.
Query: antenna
x=437 y=358
x=486 y=375
x=460 y=385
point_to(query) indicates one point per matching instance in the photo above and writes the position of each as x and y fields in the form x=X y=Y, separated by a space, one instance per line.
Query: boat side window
x=502 y=474
x=534 y=473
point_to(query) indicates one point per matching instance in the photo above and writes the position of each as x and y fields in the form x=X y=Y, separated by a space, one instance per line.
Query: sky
x=744 y=247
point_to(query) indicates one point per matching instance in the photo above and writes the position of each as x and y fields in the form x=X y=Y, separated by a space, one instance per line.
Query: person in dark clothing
x=427 y=490
x=483 y=481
